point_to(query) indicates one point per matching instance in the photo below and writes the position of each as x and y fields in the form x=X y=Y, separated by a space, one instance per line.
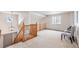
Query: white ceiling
x=50 y=12
x=44 y=12
x=40 y=12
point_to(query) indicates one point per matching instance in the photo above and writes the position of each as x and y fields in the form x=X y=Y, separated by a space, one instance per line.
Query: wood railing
x=33 y=31
x=20 y=35
x=41 y=26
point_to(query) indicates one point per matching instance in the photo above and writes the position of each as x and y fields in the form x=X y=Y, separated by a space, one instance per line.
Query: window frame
x=56 y=19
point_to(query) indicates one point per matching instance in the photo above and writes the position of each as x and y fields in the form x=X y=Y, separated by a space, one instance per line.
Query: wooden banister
x=20 y=35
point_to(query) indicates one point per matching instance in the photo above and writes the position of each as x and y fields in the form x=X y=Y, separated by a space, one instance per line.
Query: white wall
x=35 y=17
x=26 y=18
x=4 y=25
x=67 y=19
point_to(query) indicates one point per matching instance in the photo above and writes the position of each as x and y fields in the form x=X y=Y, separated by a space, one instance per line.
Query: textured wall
x=67 y=19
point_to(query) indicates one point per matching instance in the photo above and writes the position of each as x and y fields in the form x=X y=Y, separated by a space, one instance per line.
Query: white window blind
x=56 y=19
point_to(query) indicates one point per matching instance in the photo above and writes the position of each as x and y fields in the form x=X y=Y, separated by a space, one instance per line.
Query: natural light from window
x=56 y=19
x=76 y=18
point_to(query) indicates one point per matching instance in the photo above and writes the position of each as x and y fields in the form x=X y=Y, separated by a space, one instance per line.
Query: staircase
x=24 y=35
x=20 y=35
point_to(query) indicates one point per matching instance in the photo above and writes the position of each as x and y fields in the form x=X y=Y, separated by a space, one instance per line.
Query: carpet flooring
x=45 y=39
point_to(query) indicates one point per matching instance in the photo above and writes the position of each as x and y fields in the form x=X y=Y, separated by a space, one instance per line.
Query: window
x=56 y=19
x=20 y=19
x=76 y=18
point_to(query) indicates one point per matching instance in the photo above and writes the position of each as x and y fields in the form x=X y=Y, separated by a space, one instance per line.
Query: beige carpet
x=45 y=39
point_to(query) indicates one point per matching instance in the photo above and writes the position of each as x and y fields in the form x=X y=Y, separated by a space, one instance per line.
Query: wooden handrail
x=20 y=35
